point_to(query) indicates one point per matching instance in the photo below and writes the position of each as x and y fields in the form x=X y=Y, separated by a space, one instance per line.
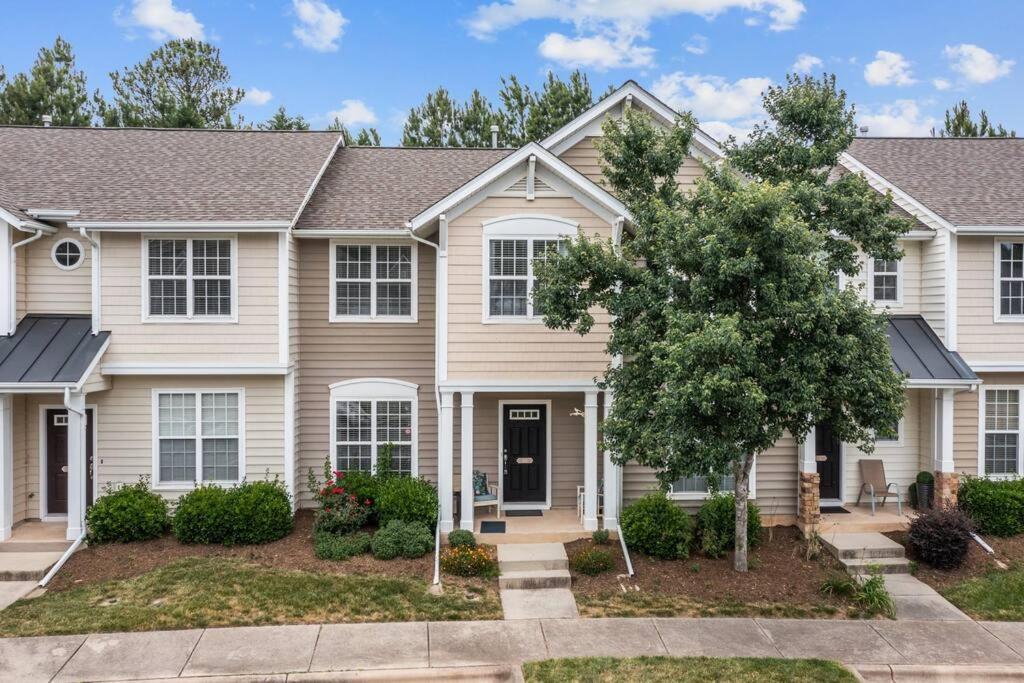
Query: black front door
x=828 y=452
x=525 y=452
x=57 y=460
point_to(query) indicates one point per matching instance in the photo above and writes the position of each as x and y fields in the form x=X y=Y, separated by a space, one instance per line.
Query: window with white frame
x=885 y=281
x=373 y=282
x=198 y=436
x=700 y=486
x=190 y=278
x=510 y=274
x=371 y=417
x=893 y=435
x=1011 y=278
x=1001 y=452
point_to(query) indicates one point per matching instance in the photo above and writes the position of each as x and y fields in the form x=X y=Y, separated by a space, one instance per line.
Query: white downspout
x=95 y=279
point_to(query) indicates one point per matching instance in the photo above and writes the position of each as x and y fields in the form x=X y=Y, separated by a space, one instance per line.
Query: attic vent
x=539 y=187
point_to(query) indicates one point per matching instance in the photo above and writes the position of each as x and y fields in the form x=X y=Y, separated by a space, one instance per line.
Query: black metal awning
x=57 y=350
x=919 y=355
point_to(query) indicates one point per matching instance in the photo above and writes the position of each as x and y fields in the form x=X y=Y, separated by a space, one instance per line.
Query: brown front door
x=57 y=460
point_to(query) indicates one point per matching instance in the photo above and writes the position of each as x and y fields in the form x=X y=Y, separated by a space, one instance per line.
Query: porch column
x=612 y=478
x=445 y=446
x=76 y=464
x=808 y=504
x=6 y=466
x=466 y=508
x=590 y=461
x=946 y=478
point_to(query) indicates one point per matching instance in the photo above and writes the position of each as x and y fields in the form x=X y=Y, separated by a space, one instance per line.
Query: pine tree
x=960 y=124
x=558 y=103
x=53 y=86
x=516 y=100
x=435 y=123
x=366 y=137
x=282 y=121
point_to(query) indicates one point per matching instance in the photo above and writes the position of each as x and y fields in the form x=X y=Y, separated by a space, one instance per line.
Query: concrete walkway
x=302 y=651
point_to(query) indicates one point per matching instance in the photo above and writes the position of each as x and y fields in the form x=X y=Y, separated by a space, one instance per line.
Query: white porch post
x=590 y=461
x=808 y=495
x=944 y=431
x=6 y=467
x=808 y=462
x=445 y=455
x=466 y=471
x=612 y=478
x=76 y=464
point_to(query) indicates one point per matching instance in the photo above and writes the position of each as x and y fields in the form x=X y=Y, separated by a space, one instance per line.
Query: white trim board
x=193 y=369
x=528 y=505
x=180 y=226
x=539 y=386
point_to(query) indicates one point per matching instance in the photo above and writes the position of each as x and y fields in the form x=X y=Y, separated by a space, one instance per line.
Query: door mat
x=523 y=513
x=492 y=527
x=835 y=509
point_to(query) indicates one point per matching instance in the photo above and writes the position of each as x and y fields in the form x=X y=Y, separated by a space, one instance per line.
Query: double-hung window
x=374 y=418
x=190 y=279
x=373 y=282
x=700 y=487
x=510 y=274
x=1001 y=446
x=885 y=281
x=198 y=436
x=1010 y=279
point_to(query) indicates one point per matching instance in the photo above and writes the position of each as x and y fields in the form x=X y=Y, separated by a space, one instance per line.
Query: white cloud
x=162 y=19
x=806 y=63
x=721 y=130
x=902 y=118
x=598 y=52
x=976 y=64
x=712 y=97
x=889 y=68
x=353 y=113
x=697 y=44
x=320 y=26
x=941 y=84
x=257 y=97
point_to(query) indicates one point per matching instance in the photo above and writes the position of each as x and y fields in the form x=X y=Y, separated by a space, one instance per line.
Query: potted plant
x=925 y=490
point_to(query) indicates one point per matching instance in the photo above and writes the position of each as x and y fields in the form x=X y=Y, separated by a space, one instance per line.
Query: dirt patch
x=781 y=582
x=1010 y=551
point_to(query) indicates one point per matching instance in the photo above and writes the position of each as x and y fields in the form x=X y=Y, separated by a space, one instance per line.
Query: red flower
x=336 y=490
x=367 y=502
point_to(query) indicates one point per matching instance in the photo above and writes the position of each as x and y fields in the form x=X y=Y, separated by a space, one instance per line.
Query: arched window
x=370 y=416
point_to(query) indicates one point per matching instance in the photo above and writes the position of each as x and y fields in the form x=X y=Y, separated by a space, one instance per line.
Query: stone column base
x=946 y=486
x=808 y=514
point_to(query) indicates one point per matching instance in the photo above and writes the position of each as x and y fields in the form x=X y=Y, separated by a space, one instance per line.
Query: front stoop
x=861 y=553
x=26 y=566
x=535 y=582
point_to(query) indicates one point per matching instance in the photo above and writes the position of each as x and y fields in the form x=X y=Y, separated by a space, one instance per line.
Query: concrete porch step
x=532 y=557
x=21 y=566
x=860 y=546
x=537 y=578
x=16 y=546
x=884 y=565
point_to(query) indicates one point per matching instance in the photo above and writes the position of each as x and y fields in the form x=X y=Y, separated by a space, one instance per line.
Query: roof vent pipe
x=494 y=135
x=47 y=120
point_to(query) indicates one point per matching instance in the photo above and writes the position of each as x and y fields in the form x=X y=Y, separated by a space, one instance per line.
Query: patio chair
x=600 y=500
x=872 y=477
x=485 y=494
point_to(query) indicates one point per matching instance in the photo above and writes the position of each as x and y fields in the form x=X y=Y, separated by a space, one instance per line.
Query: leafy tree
x=281 y=120
x=960 y=124
x=366 y=137
x=732 y=326
x=182 y=84
x=53 y=86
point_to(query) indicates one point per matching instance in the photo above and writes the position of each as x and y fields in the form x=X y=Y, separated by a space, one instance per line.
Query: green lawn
x=995 y=596
x=658 y=605
x=201 y=592
x=686 y=670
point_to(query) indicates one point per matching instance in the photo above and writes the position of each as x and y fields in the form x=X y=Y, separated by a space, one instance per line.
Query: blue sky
x=903 y=62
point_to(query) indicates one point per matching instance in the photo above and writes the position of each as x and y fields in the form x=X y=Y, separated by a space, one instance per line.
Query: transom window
x=373 y=282
x=1011 y=278
x=1001 y=449
x=190 y=278
x=370 y=418
x=885 y=281
x=198 y=436
x=510 y=274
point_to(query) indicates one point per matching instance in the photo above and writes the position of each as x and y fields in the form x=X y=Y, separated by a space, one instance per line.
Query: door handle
x=821 y=458
x=504 y=461
x=64 y=469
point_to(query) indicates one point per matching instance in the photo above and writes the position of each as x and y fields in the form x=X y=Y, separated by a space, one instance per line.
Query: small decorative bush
x=654 y=526
x=407 y=499
x=363 y=486
x=716 y=524
x=941 y=538
x=402 y=539
x=341 y=507
x=129 y=513
x=261 y=512
x=328 y=546
x=464 y=560
x=461 y=538
x=925 y=477
x=591 y=561
x=995 y=506
x=203 y=515
x=600 y=537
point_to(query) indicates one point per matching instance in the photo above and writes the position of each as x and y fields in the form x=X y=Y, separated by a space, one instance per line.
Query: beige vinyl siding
x=911 y=264
x=966 y=420
x=933 y=281
x=253 y=339
x=514 y=349
x=47 y=288
x=902 y=461
x=23 y=462
x=333 y=352
x=584 y=157
x=926 y=428
x=979 y=336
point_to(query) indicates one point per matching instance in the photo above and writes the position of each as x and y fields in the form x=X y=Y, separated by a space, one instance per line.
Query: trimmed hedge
x=248 y=514
x=996 y=506
x=129 y=513
x=203 y=515
x=407 y=499
x=461 y=538
x=654 y=526
x=402 y=539
x=327 y=546
x=716 y=524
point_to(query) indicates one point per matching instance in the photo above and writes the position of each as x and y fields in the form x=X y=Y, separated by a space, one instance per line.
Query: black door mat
x=492 y=527
x=523 y=513
x=835 y=509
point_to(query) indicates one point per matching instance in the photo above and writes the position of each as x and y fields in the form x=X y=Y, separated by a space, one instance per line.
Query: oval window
x=68 y=254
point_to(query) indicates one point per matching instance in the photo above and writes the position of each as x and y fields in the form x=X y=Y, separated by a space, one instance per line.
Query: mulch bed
x=295 y=551
x=1008 y=550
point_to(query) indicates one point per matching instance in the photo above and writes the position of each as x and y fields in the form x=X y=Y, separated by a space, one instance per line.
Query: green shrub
x=402 y=539
x=716 y=524
x=873 y=598
x=203 y=515
x=333 y=547
x=461 y=538
x=129 y=513
x=925 y=477
x=363 y=486
x=941 y=538
x=466 y=560
x=996 y=506
x=600 y=537
x=407 y=499
x=654 y=526
x=261 y=512
x=591 y=561
x=839 y=586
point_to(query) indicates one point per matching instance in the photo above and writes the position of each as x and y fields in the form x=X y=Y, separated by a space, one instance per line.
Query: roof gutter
x=25 y=225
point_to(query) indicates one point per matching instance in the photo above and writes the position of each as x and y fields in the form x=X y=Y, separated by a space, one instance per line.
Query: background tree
x=281 y=120
x=182 y=84
x=733 y=328
x=366 y=137
x=959 y=124
x=558 y=103
x=53 y=86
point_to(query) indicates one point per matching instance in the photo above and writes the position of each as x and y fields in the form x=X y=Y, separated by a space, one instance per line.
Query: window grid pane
x=886 y=280
x=167 y=270
x=1002 y=431
x=1011 y=278
x=177 y=460
x=508 y=297
x=353 y=436
x=364 y=428
x=700 y=484
x=220 y=459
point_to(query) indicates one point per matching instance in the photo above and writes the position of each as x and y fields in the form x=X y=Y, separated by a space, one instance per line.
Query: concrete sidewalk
x=305 y=650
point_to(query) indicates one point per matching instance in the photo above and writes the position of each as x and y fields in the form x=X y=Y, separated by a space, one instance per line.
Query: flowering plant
x=340 y=509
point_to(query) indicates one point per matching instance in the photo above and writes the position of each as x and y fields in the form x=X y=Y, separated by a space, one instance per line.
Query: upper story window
x=885 y=280
x=373 y=282
x=1010 y=279
x=1001 y=451
x=198 y=436
x=191 y=279
x=510 y=276
x=67 y=254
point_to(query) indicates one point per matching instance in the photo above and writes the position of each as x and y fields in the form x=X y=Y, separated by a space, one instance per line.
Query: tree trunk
x=742 y=474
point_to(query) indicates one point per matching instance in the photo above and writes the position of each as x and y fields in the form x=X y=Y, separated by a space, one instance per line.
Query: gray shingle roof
x=383 y=187
x=918 y=353
x=967 y=181
x=49 y=348
x=137 y=174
